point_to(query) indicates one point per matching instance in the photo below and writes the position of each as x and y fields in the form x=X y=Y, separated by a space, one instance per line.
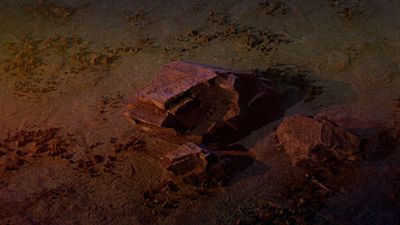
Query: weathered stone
x=187 y=159
x=172 y=81
x=198 y=165
x=183 y=152
x=203 y=103
x=316 y=140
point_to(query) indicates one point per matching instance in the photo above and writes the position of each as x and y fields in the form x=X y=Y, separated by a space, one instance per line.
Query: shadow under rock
x=294 y=86
x=300 y=88
x=226 y=163
x=373 y=199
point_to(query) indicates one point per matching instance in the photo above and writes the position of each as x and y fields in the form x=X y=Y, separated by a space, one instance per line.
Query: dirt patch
x=23 y=147
x=349 y=9
x=54 y=11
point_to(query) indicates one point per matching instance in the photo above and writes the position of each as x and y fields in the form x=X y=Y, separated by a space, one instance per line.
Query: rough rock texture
x=317 y=140
x=187 y=159
x=204 y=103
x=196 y=164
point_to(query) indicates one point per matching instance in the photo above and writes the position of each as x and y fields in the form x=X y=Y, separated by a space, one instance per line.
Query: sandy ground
x=68 y=156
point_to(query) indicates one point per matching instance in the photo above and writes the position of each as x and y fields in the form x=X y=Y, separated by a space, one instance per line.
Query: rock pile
x=204 y=104
x=206 y=109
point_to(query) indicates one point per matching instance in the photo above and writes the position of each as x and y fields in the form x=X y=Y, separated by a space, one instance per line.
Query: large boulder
x=201 y=103
x=315 y=140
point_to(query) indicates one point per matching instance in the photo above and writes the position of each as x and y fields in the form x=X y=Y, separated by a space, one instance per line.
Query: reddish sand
x=68 y=155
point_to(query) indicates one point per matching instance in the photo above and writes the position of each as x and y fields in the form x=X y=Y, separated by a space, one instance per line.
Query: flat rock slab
x=315 y=140
x=172 y=81
x=196 y=164
x=183 y=152
x=203 y=103
x=187 y=159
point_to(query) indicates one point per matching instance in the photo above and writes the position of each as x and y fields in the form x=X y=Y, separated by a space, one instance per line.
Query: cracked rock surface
x=305 y=138
x=205 y=103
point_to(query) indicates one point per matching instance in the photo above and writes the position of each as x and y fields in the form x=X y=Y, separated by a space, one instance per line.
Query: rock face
x=315 y=140
x=201 y=103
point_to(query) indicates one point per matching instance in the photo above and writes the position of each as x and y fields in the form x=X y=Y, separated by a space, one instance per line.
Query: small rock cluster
x=22 y=147
x=206 y=108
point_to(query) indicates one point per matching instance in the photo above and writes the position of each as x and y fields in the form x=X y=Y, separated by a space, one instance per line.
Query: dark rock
x=188 y=158
x=200 y=103
x=198 y=165
x=315 y=140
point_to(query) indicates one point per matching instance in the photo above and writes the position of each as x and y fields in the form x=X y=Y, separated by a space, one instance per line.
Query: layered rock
x=315 y=140
x=201 y=103
x=196 y=164
x=187 y=159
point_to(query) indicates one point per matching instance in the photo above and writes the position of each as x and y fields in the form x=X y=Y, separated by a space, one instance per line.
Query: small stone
x=186 y=159
x=183 y=152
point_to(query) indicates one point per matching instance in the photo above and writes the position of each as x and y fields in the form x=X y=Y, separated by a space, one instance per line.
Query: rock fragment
x=315 y=140
x=187 y=159
x=198 y=165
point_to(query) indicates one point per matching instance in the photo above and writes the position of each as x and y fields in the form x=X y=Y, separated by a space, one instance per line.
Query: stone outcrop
x=315 y=140
x=201 y=103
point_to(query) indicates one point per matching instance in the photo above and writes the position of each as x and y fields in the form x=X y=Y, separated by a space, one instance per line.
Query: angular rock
x=187 y=159
x=315 y=140
x=201 y=103
x=183 y=152
x=196 y=164
x=172 y=81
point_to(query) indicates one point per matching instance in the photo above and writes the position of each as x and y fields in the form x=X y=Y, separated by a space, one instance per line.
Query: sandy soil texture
x=68 y=155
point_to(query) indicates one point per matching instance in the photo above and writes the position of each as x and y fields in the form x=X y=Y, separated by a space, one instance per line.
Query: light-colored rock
x=183 y=152
x=187 y=159
x=317 y=140
x=204 y=103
